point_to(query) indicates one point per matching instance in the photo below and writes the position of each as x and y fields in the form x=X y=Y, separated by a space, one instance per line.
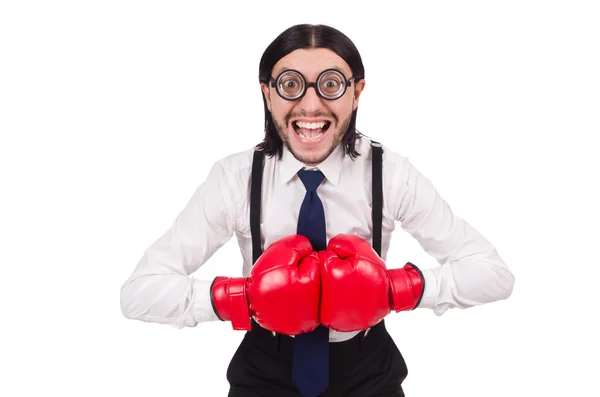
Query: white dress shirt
x=162 y=289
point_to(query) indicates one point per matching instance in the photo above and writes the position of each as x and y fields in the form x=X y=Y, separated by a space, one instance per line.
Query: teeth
x=312 y=137
x=314 y=130
x=311 y=126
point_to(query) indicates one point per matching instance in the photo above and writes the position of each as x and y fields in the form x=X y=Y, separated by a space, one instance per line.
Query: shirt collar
x=331 y=167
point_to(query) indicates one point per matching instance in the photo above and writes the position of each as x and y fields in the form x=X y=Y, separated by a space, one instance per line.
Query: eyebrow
x=287 y=67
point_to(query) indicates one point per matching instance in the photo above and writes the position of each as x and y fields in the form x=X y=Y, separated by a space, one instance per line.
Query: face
x=311 y=127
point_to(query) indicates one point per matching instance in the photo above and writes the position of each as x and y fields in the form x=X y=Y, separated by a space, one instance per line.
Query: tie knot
x=311 y=179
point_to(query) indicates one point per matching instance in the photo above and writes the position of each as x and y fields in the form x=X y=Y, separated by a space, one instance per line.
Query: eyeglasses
x=331 y=84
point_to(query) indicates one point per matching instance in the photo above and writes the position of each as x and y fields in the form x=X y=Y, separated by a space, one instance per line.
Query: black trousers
x=364 y=366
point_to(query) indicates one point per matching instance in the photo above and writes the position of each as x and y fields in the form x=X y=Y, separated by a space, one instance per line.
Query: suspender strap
x=255 y=199
x=377 y=193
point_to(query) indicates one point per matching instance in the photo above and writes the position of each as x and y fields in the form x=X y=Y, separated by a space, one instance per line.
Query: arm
x=160 y=289
x=470 y=270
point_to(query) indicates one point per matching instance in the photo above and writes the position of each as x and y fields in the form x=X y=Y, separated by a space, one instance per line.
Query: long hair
x=303 y=37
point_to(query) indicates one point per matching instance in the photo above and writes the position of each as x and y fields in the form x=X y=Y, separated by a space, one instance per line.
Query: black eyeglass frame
x=346 y=83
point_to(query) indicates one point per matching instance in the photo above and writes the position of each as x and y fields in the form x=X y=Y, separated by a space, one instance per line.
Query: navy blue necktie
x=311 y=350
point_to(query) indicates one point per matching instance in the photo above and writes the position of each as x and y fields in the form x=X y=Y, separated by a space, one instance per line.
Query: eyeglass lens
x=331 y=84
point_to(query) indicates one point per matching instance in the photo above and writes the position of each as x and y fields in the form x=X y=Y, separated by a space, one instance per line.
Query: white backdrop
x=112 y=112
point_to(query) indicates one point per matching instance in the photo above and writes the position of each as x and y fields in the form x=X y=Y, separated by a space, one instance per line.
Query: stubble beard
x=339 y=130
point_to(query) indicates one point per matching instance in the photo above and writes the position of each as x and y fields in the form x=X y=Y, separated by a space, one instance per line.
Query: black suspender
x=255 y=190
x=255 y=199
x=377 y=206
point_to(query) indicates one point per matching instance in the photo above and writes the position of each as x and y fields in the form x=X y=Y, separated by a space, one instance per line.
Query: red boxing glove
x=357 y=288
x=282 y=291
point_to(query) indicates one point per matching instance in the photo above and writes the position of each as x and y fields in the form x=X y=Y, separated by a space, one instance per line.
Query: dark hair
x=302 y=37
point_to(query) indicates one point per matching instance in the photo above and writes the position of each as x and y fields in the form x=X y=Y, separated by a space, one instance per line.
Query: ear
x=267 y=94
x=358 y=89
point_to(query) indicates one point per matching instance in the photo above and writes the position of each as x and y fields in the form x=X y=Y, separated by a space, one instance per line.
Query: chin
x=311 y=158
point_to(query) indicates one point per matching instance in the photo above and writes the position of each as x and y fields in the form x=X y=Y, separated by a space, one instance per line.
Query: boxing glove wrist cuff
x=229 y=301
x=407 y=287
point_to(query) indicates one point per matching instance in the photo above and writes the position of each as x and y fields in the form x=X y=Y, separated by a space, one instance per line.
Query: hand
x=357 y=288
x=282 y=291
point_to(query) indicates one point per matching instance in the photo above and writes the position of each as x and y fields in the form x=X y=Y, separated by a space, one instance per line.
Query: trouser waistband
x=284 y=344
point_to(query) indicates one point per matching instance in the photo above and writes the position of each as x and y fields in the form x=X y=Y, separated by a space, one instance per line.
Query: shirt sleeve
x=160 y=289
x=470 y=270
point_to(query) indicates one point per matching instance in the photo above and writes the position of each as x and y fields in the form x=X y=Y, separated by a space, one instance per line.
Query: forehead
x=311 y=62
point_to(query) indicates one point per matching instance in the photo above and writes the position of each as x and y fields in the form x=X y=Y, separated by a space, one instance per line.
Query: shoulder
x=231 y=173
x=391 y=158
x=397 y=171
x=236 y=163
x=230 y=176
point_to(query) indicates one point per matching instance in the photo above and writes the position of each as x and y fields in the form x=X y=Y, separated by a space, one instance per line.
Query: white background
x=112 y=112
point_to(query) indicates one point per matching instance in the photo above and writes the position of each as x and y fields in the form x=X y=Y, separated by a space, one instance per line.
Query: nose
x=310 y=102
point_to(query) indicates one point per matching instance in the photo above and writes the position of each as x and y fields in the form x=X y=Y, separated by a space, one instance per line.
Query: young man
x=313 y=208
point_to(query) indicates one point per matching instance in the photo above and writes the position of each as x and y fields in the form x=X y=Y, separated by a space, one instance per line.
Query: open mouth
x=310 y=131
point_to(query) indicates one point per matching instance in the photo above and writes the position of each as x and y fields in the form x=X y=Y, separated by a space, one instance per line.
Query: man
x=314 y=225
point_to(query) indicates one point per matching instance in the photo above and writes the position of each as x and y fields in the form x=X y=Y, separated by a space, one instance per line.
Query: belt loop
x=363 y=337
x=277 y=337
